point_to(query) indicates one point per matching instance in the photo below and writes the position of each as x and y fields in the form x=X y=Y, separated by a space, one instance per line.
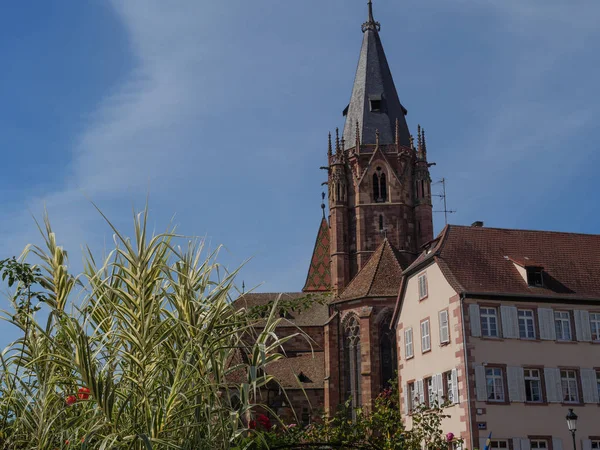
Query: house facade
x=504 y=326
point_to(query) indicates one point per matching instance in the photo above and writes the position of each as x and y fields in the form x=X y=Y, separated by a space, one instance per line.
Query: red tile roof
x=480 y=260
x=380 y=276
x=319 y=273
x=315 y=315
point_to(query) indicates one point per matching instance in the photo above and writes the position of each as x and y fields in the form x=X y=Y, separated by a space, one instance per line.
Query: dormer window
x=379 y=186
x=375 y=102
x=535 y=277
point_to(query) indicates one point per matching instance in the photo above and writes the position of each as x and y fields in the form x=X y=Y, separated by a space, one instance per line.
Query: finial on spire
x=343 y=143
x=337 y=140
x=412 y=141
x=357 y=136
x=419 y=140
x=397 y=137
x=423 y=143
x=329 y=149
x=371 y=24
x=323 y=203
x=377 y=138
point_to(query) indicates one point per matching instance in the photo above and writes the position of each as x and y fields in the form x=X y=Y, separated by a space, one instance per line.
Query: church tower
x=379 y=182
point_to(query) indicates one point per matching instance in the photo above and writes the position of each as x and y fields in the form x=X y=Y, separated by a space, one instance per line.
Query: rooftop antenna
x=446 y=211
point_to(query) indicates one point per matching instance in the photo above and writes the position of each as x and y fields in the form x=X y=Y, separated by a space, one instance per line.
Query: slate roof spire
x=374 y=103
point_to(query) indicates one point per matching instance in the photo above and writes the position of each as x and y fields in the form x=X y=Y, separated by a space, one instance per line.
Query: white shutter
x=421 y=392
x=433 y=395
x=444 y=327
x=525 y=444
x=557 y=444
x=406 y=399
x=516 y=384
x=589 y=386
x=474 y=320
x=455 y=386
x=553 y=385
x=480 y=384
x=408 y=343
x=546 y=321
x=583 y=330
x=586 y=444
x=440 y=386
x=510 y=322
x=516 y=443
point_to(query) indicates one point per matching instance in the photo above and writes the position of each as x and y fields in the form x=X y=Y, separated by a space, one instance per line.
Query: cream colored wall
x=518 y=419
x=441 y=358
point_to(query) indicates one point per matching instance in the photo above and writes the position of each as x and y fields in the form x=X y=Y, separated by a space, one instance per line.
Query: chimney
x=477 y=224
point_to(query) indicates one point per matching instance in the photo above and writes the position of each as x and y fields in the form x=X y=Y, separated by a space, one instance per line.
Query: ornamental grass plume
x=149 y=336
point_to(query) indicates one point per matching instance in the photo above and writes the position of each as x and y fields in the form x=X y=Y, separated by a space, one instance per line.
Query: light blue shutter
x=510 y=322
x=553 y=385
x=546 y=321
x=480 y=384
x=583 y=330
x=474 y=320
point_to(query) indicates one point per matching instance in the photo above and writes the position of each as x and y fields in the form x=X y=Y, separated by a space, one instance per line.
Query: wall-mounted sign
x=482 y=425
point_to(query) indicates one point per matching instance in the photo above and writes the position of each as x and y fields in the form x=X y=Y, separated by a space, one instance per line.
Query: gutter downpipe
x=470 y=415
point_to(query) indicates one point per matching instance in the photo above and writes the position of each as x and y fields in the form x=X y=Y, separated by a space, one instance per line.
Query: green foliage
x=380 y=429
x=142 y=350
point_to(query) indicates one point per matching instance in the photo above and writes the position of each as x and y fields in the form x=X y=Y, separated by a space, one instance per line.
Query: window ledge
x=535 y=403
x=426 y=351
x=565 y=342
x=491 y=402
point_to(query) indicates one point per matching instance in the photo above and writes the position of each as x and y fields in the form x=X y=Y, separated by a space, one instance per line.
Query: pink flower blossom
x=449 y=437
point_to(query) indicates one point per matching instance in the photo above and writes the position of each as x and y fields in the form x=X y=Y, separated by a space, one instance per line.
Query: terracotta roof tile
x=380 y=276
x=311 y=365
x=315 y=315
x=319 y=272
x=480 y=260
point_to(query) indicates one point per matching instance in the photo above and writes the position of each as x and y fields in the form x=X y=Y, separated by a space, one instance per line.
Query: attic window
x=535 y=276
x=375 y=102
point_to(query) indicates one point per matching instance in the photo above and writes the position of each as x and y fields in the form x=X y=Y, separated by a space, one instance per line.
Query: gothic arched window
x=379 y=186
x=352 y=362
x=387 y=352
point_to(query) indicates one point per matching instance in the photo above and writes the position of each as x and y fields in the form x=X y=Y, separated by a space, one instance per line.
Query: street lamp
x=572 y=425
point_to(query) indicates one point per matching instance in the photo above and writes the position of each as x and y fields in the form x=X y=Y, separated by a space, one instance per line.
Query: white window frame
x=535 y=444
x=448 y=384
x=412 y=394
x=422 y=282
x=494 y=443
x=425 y=336
x=431 y=391
x=444 y=327
x=562 y=325
x=595 y=326
x=408 y=343
x=487 y=318
x=527 y=320
x=529 y=376
x=496 y=375
x=570 y=387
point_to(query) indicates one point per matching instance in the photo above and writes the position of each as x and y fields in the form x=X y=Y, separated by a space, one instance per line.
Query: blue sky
x=220 y=111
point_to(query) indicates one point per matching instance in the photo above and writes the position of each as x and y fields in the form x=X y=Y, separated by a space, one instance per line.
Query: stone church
x=380 y=214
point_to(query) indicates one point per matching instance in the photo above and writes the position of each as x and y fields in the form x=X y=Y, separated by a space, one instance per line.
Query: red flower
x=264 y=421
x=67 y=442
x=84 y=393
x=449 y=437
x=252 y=424
x=70 y=400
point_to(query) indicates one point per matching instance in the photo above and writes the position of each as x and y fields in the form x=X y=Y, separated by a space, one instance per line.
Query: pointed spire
x=329 y=149
x=371 y=24
x=419 y=141
x=374 y=102
x=323 y=203
x=337 y=140
x=412 y=142
x=357 y=136
x=424 y=151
